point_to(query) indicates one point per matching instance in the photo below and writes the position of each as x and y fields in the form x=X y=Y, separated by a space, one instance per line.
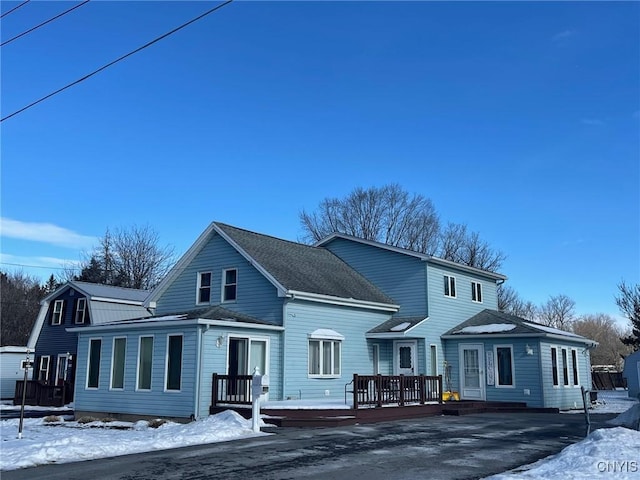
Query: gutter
x=347 y=302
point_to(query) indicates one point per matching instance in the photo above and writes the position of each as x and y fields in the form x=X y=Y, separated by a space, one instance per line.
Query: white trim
x=555 y=364
x=433 y=347
x=376 y=358
x=166 y=364
x=497 y=369
x=66 y=367
x=476 y=291
x=325 y=334
x=61 y=313
x=565 y=362
x=224 y=284
x=124 y=363
x=398 y=335
x=351 y=302
x=321 y=342
x=414 y=355
x=48 y=357
x=138 y=389
x=199 y=286
x=86 y=383
x=82 y=300
x=150 y=323
x=575 y=371
x=473 y=336
x=450 y=281
x=479 y=347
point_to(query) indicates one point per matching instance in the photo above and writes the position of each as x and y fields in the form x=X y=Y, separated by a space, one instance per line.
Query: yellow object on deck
x=447 y=396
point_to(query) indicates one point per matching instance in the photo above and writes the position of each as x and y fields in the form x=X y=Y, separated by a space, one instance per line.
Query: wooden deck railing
x=234 y=390
x=44 y=395
x=379 y=390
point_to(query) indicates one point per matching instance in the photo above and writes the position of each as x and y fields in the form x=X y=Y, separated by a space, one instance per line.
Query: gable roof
x=422 y=256
x=293 y=268
x=396 y=327
x=492 y=323
x=129 y=302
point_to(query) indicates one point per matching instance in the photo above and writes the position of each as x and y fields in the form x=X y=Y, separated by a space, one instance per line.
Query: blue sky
x=520 y=119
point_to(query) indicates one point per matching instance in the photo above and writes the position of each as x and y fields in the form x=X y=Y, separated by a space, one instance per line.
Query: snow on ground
x=605 y=451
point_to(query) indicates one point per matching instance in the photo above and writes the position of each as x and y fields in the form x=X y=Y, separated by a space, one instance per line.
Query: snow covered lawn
x=605 y=451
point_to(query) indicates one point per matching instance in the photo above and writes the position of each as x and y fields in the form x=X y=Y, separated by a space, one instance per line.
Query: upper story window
x=230 y=285
x=81 y=308
x=203 y=293
x=56 y=316
x=476 y=292
x=449 y=286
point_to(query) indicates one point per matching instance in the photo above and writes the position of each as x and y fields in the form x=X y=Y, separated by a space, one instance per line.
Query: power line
x=43 y=23
x=104 y=67
x=14 y=8
x=39 y=266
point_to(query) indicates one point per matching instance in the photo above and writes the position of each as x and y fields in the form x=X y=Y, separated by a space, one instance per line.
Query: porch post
x=355 y=391
x=422 y=389
x=379 y=389
x=401 y=384
x=214 y=390
x=439 y=388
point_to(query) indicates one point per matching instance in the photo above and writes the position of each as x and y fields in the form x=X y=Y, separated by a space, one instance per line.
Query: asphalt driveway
x=443 y=447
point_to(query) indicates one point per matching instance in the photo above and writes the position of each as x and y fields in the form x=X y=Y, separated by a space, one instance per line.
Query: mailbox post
x=259 y=387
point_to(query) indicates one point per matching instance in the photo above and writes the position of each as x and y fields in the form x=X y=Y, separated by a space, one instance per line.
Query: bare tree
x=557 y=312
x=391 y=215
x=603 y=329
x=510 y=302
x=628 y=302
x=129 y=258
x=21 y=295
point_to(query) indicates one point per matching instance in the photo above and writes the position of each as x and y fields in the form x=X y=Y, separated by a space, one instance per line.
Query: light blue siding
x=302 y=318
x=256 y=296
x=560 y=396
x=215 y=360
x=157 y=401
x=400 y=276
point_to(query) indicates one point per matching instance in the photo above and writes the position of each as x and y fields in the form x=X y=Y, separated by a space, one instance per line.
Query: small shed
x=12 y=360
x=632 y=373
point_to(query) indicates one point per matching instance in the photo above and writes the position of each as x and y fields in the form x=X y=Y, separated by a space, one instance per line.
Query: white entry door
x=472 y=372
x=405 y=358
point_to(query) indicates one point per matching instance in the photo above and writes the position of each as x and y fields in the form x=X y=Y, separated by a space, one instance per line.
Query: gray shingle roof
x=108 y=291
x=305 y=268
x=489 y=322
x=391 y=326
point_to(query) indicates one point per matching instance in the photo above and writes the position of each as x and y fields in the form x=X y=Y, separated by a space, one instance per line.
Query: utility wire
x=14 y=8
x=43 y=23
x=104 y=67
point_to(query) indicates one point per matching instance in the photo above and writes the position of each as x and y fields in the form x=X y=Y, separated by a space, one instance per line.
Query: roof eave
x=348 y=302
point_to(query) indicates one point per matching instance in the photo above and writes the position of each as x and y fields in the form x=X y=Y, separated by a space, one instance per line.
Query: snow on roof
x=550 y=329
x=326 y=333
x=490 y=328
x=400 y=327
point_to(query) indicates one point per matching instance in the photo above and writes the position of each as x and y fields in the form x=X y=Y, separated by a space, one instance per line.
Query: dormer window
x=81 y=308
x=229 y=288
x=56 y=316
x=203 y=294
x=449 y=286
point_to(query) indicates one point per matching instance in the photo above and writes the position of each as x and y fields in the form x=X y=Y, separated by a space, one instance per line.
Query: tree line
x=134 y=258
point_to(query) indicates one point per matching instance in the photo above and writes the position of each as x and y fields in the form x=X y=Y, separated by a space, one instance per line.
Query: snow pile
x=63 y=442
x=628 y=419
x=490 y=328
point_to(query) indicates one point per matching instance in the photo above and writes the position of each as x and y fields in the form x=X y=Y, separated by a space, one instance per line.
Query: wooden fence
x=379 y=390
x=43 y=395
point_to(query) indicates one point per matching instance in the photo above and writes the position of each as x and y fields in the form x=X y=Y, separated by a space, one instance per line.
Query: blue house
x=79 y=305
x=307 y=316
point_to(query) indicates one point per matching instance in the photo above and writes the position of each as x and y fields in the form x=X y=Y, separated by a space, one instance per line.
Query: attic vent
x=71 y=292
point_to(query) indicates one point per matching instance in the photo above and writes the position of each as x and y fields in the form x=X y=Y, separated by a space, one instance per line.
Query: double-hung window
x=565 y=368
x=203 y=293
x=325 y=354
x=449 y=286
x=574 y=363
x=81 y=307
x=43 y=368
x=554 y=367
x=476 y=292
x=230 y=284
x=504 y=366
x=56 y=317
x=145 y=362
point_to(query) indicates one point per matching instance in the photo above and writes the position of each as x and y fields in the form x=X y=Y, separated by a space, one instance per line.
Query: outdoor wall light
x=529 y=350
x=219 y=341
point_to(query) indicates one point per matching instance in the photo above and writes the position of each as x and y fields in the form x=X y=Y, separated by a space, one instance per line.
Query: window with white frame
x=476 y=292
x=203 y=291
x=230 y=284
x=325 y=351
x=81 y=307
x=554 y=367
x=93 y=369
x=174 y=362
x=376 y=359
x=574 y=363
x=504 y=366
x=43 y=368
x=117 y=362
x=145 y=362
x=56 y=316
x=449 y=286
x=565 y=368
